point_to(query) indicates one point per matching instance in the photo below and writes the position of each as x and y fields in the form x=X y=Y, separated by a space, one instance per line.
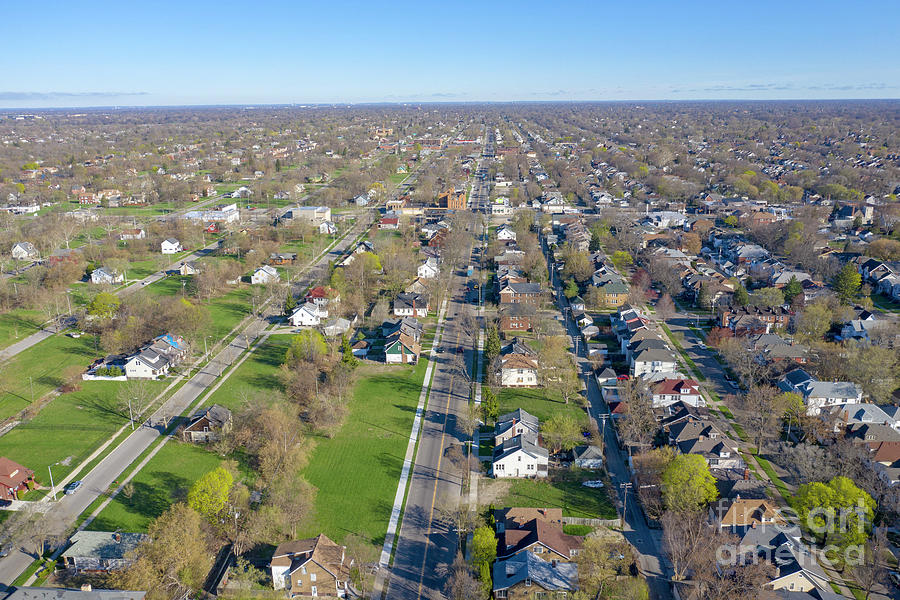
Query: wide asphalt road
x=426 y=544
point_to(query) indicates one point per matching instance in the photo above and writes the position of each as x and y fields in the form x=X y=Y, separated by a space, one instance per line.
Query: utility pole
x=625 y=487
x=603 y=419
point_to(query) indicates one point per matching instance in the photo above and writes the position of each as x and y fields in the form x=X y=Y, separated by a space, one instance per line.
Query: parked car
x=72 y=487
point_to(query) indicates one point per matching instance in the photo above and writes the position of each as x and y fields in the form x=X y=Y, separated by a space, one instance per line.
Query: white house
x=520 y=456
x=652 y=360
x=106 y=275
x=147 y=364
x=308 y=315
x=265 y=274
x=410 y=305
x=24 y=251
x=518 y=365
x=506 y=234
x=669 y=391
x=820 y=394
x=170 y=246
x=429 y=269
x=327 y=228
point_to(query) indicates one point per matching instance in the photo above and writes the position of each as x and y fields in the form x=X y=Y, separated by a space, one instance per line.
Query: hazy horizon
x=206 y=53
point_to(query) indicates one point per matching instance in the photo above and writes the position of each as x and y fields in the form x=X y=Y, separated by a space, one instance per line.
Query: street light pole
x=130 y=413
x=52 y=486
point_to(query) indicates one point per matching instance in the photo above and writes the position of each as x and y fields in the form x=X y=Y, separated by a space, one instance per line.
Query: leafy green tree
x=561 y=432
x=741 y=297
x=793 y=289
x=768 y=296
x=290 y=303
x=492 y=344
x=308 y=345
x=209 y=494
x=105 y=305
x=687 y=484
x=730 y=221
x=602 y=560
x=484 y=547
x=813 y=322
x=620 y=260
x=490 y=404
x=846 y=283
x=347 y=352
x=838 y=513
x=793 y=407
x=571 y=289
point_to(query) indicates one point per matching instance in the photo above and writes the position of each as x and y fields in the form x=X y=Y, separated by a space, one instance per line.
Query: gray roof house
x=100 y=550
x=588 y=457
x=532 y=571
x=518 y=422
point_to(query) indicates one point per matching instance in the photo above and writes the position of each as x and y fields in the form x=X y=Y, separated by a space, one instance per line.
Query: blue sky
x=199 y=52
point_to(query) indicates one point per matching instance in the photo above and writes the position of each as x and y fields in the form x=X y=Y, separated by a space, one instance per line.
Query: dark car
x=459 y=350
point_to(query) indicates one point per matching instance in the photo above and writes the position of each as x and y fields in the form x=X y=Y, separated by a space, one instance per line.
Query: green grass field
x=19 y=323
x=69 y=428
x=225 y=312
x=539 y=402
x=370 y=449
x=256 y=375
x=41 y=369
x=162 y=481
x=575 y=499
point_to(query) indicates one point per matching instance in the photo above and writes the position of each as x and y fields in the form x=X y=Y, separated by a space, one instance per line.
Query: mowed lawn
x=575 y=499
x=256 y=376
x=18 y=324
x=69 y=428
x=357 y=471
x=41 y=369
x=540 y=402
x=163 y=481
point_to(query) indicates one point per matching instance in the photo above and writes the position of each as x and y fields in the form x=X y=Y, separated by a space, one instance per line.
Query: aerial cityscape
x=464 y=302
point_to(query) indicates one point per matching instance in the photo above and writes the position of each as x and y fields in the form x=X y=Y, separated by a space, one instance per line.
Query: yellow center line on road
x=436 y=473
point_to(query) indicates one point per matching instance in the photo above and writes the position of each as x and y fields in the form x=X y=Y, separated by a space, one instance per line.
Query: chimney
x=746 y=474
x=117 y=537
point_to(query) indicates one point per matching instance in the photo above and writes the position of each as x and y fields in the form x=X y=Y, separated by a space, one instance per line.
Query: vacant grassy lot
x=356 y=472
x=163 y=481
x=41 y=369
x=369 y=448
x=19 y=323
x=539 y=402
x=564 y=491
x=258 y=375
x=225 y=312
x=69 y=428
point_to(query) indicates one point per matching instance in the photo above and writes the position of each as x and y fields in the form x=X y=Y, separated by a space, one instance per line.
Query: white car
x=593 y=483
